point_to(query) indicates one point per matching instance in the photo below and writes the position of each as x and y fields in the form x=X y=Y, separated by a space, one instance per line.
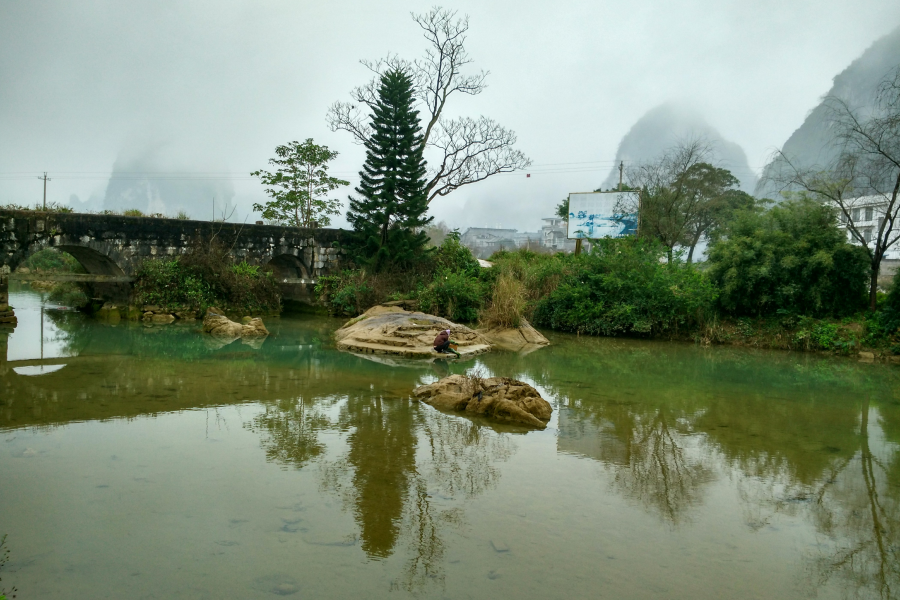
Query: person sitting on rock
x=442 y=343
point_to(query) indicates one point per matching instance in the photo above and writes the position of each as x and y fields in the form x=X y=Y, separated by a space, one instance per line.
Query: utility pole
x=46 y=179
x=621 y=171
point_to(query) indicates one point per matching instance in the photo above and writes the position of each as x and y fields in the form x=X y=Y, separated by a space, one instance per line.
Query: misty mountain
x=665 y=126
x=153 y=181
x=810 y=145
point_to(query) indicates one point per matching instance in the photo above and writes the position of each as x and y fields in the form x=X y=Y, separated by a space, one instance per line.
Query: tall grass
x=507 y=305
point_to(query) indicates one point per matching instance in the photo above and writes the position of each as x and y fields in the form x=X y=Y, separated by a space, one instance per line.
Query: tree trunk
x=693 y=245
x=669 y=251
x=873 y=280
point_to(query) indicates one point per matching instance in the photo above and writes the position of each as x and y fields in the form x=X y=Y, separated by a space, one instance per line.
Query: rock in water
x=218 y=325
x=500 y=398
x=392 y=330
x=522 y=338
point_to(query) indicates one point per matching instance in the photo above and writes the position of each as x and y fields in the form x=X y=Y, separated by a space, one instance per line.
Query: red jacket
x=441 y=338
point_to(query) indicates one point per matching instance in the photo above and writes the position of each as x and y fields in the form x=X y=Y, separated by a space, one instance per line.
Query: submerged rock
x=393 y=330
x=218 y=325
x=500 y=398
x=523 y=338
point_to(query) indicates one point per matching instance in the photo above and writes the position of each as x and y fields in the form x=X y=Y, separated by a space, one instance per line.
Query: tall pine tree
x=388 y=217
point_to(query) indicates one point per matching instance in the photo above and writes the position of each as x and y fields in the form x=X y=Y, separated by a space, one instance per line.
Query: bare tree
x=459 y=151
x=668 y=204
x=865 y=174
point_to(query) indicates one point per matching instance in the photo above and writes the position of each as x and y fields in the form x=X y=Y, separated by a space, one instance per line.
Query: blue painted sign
x=602 y=214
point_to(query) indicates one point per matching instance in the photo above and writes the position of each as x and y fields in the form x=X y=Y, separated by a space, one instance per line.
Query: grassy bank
x=625 y=287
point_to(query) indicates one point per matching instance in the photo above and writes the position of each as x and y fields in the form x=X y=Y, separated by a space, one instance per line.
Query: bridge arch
x=289 y=266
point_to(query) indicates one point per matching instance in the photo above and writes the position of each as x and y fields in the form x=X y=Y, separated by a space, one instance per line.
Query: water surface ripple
x=151 y=462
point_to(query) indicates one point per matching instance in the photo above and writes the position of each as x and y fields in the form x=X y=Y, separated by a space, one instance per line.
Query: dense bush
x=622 y=287
x=454 y=295
x=350 y=292
x=50 y=259
x=207 y=276
x=450 y=269
x=451 y=255
x=790 y=258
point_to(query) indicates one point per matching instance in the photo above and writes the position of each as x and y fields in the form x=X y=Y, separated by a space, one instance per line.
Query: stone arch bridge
x=111 y=248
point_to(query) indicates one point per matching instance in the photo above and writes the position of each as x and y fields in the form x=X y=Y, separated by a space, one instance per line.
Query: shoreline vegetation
x=784 y=279
x=781 y=278
x=170 y=288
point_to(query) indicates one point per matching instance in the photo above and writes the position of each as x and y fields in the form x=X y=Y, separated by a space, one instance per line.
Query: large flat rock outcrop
x=499 y=398
x=393 y=330
x=523 y=338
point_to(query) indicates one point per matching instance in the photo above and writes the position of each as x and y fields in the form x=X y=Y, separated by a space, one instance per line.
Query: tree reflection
x=382 y=459
x=405 y=467
x=858 y=509
x=289 y=430
x=651 y=450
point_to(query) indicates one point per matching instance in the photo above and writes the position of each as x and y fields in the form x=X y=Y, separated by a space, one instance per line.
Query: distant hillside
x=666 y=125
x=810 y=145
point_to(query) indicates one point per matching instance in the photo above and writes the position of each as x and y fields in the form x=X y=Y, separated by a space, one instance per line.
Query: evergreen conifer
x=388 y=217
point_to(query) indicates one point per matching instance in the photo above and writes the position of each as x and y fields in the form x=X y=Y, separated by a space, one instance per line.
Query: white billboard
x=602 y=214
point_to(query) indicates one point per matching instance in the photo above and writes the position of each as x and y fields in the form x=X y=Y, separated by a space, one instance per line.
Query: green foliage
x=166 y=282
x=562 y=209
x=69 y=294
x=300 y=185
x=349 y=293
x=454 y=295
x=451 y=255
x=622 y=287
x=52 y=207
x=791 y=257
x=182 y=216
x=132 y=212
x=242 y=269
x=388 y=217
x=886 y=324
x=51 y=259
x=206 y=276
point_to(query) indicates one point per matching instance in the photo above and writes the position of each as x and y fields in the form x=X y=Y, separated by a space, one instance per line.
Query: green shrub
x=451 y=255
x=132 y=212
x=206 y=276
x=791 y=257
x=52 y=207
x=51 y=259
x=622 y=287
x=453 y=295
x=348 y=293
x=69 y=294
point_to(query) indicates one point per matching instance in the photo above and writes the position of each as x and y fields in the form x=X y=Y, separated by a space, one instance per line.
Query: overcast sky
x=213 y=87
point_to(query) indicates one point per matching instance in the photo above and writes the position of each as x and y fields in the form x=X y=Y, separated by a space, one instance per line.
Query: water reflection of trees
x=796 y=429
x=405 y=467
x=858 y=510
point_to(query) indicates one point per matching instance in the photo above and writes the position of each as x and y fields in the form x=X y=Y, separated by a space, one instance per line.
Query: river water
x=142 y=462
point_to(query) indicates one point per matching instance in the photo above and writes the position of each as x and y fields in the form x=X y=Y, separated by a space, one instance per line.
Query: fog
x=182 y=100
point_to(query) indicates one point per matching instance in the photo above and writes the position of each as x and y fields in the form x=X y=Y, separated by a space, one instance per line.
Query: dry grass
x=508 y=303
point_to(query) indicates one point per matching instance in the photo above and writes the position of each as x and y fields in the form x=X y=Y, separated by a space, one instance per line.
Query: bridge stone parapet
x=113 y=247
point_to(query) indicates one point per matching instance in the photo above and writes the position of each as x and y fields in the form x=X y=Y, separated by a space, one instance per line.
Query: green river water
x=144 y=462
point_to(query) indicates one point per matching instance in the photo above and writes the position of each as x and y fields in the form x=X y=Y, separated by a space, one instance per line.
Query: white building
x=554 y=235
x=867 y=213
x=484 y=241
